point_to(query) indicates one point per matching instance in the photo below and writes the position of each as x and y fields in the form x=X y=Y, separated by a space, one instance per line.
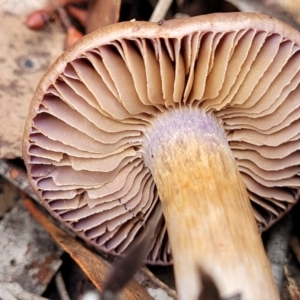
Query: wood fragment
x=94 y=266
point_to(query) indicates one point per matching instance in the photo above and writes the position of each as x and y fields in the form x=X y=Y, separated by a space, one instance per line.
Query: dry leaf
x=14 y=291
x=25 y=56
x=28 y=254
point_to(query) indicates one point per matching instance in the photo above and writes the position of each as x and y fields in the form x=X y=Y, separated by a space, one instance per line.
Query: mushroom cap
x=83 y=139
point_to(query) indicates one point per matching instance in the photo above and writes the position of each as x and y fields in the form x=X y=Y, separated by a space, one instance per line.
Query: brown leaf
x=25 y=57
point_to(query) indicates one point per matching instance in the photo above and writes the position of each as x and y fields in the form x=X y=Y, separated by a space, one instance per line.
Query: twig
x=64 y=17
x=94 y=266
x=160 y=10
x=73 y=34
x=61 y=287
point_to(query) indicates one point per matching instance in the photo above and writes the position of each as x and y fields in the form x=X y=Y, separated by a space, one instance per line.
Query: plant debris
x=30 y=259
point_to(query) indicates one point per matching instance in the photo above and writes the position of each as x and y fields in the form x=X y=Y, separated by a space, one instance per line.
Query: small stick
x=72 y=33
x=61 y=287
x=94 y=266
x=160 y=10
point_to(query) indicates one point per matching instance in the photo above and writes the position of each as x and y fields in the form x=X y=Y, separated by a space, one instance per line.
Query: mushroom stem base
x=207 y=209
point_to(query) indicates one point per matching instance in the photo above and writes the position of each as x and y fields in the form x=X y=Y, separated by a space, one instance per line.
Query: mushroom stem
x=208 y=214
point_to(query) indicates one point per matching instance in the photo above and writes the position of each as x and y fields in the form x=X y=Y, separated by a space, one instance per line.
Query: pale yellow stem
x=209 y=218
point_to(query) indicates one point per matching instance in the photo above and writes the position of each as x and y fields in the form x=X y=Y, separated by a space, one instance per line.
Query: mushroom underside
x=84 y=138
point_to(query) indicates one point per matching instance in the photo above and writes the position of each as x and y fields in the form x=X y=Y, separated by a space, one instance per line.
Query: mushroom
x=200 y=114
